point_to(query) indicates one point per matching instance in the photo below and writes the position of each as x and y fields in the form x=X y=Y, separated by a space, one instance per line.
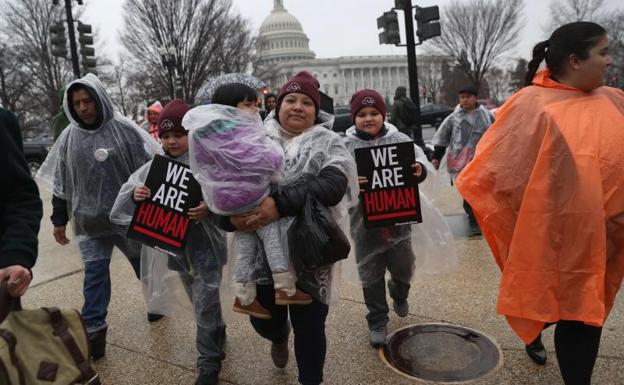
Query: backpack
x=43 y=346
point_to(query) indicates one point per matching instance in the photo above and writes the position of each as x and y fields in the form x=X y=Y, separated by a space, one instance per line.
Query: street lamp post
x=168 y=57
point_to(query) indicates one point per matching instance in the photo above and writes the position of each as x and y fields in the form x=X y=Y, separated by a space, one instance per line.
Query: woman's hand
x=200 y=212
x=264 y=214
x=240 y=221
x=141 y=193
x=417 y=169
x=363 y=181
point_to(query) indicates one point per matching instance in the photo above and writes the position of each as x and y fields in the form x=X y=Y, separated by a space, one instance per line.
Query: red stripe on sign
x=152 y=234
x=392 y=215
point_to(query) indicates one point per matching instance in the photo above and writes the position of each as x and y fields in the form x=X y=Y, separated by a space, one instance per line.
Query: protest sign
x=390 y=198
x=161 y=221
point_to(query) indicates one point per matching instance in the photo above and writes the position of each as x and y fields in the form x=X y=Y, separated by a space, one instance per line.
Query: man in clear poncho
x=89 y=162
x=195 y=273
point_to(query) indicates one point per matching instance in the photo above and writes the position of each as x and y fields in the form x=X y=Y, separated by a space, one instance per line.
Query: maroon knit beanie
x=170 y=118
x=304 y=83
x=367 y=98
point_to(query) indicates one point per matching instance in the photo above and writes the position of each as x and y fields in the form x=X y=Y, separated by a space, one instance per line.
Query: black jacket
x=20 y=205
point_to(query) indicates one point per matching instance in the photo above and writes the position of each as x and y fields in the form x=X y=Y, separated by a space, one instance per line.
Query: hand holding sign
x=198 y=213
x=417 y=169
x=389 y=185
x=161 y=220
x=141 y=193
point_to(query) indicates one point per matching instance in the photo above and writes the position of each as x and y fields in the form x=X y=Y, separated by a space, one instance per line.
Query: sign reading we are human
x=161 y=221
x=390 y=198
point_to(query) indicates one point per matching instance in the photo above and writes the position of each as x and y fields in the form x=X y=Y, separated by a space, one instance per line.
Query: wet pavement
x=163 y=352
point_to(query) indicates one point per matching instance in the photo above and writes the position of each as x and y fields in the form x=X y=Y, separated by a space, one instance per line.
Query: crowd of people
x=543 y=181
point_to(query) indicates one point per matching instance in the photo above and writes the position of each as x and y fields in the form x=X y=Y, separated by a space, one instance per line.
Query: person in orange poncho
x=547 y=187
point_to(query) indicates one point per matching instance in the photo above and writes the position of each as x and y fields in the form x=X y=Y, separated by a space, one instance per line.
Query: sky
x=335 y=27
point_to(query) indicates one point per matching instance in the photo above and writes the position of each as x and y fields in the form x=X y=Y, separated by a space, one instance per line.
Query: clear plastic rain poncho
x=233 y=159
x=187 y=283
x=306 y=155
x=87 y=165
x=431 y=241
x=204 y=95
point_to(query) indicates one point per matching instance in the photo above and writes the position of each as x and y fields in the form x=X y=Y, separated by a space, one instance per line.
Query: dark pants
x=308 y=322
x=471 y=217
x=398 y=260
x=210 y=337
x=576 y=345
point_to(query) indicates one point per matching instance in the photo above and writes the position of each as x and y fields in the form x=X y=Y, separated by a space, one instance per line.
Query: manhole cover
x=441 y=353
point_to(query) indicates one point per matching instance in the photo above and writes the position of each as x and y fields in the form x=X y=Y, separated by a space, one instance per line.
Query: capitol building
x=283 y=50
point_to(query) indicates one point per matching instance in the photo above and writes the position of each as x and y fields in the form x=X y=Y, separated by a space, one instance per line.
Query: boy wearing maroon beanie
x=380 y=249
x=199 y=264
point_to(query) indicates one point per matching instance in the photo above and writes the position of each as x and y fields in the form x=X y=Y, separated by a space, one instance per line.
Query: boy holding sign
x=381 y=243
x=199 y=264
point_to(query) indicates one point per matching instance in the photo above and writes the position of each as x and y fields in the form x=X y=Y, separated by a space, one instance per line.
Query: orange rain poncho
x=547 y=187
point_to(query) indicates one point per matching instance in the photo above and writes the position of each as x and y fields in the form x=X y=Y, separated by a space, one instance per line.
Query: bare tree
x=498 y=84
x=567 y=11
x=208 y=38
x=430 y=78
x=478 y=32
x=614 y=24
x=26 y=24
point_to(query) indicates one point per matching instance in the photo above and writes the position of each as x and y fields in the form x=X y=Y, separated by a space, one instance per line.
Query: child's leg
x=401 y=267
x=244 y=269
x=372 y=269
x=276 y=248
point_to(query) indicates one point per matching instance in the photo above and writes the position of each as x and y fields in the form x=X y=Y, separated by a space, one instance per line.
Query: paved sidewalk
x=164 y=352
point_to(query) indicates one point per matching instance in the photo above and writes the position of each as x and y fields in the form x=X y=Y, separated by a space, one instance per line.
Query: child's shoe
x=377 y=337
x=299 y=298
x=254 y=309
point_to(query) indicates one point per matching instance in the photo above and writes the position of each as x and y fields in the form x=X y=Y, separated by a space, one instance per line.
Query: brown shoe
x=299 y=298
x=254 y=309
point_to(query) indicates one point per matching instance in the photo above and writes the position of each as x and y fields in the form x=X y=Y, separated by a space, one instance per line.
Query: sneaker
x=299 y=298
x=97 y=340
x=207 y=379
x=279 y=352
x=475 y=230
x=377 y=337
x=400 y=308
x=536 y=351
x=153 y=317
x=254 y=309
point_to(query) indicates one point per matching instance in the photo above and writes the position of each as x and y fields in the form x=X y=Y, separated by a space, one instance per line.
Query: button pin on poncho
x=101 y=154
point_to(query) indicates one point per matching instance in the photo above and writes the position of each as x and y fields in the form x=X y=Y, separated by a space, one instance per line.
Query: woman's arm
x=327 y=188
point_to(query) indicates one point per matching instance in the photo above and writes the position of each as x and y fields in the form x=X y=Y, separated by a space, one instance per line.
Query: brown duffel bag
x=43 y=346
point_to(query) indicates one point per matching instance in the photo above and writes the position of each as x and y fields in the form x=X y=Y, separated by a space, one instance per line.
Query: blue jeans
x=96 y=254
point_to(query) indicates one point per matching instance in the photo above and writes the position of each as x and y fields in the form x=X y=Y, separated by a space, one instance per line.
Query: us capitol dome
x=281 y=39
x=283 y=50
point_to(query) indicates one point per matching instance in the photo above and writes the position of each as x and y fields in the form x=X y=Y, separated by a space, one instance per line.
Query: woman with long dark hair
x=547 y=187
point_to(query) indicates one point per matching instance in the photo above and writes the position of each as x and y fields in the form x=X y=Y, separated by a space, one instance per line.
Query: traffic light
x=424 y=18
x=87 y=52
x=390 y=25
x=58 y=42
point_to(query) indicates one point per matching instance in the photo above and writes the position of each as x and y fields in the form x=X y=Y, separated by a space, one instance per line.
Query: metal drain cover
x=441 y=353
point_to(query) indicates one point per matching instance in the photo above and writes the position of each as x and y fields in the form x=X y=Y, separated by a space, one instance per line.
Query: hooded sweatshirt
x=152 y=129
x=88 y=163
x=547 y=187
